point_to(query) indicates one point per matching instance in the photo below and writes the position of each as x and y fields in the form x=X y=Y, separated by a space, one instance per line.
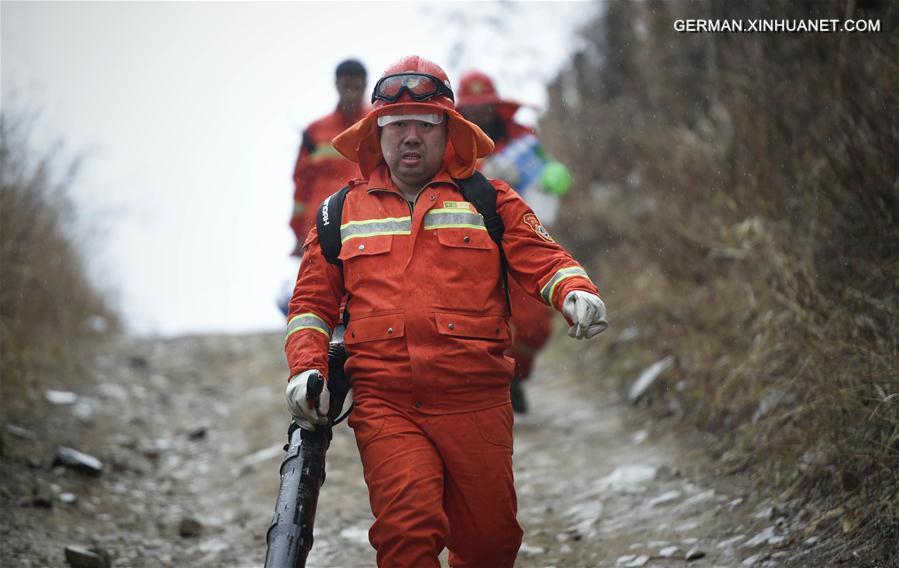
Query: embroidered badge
x=531 y=220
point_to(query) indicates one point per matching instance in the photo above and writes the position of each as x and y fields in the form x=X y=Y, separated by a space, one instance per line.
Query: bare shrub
x=740 y=196
x=48 y=306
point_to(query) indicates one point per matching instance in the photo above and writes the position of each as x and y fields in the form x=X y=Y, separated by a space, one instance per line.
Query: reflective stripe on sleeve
x=307 y=321
x=375 y=227
x=453 y=219
x=563 y=273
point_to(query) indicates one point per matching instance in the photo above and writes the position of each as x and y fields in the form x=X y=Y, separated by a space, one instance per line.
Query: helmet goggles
x=419 y=86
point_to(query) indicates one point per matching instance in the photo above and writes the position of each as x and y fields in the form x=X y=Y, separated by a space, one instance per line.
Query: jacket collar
x=380 y=180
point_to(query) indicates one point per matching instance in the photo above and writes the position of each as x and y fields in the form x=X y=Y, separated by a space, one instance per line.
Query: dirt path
x=190 y=429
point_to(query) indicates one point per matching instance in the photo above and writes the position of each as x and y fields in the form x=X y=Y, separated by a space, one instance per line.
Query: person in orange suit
x=532 y=319
x=319 y=168
x=429 y=326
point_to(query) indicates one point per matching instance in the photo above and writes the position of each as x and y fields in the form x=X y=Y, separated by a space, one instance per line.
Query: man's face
x=413 y=151
x=350 y=89
x=482 y=115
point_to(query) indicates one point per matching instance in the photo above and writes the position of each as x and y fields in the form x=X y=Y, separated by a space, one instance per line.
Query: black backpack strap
x=477 y=189
x=327 y=221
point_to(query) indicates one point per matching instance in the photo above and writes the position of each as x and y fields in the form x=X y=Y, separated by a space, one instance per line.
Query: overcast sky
x=188 y=116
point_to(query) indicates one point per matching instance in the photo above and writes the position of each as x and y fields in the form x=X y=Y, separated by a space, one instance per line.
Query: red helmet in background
x=414 y=85
x=476 y=88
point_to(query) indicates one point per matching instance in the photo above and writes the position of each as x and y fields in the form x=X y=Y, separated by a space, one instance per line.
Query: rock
x=528 y=551
x=20 y=432
x=112 y=392
x=731 y=541
x=138 y=363
x=42 y=495
x=669 y=551
x=60 y=397
x=639 y=437
x=34 y=462
x=189 y=527
x=752 y=560
x=627 y=478
x=666 y=497
x=83 y=411
x=668 y=472
x=250 y=461
x=79 y=557
x=124 y=440
x=78 y=461
x=694 y=554
x=67 y=498
x=761 y=538
x=632 y=561
x=697 y=499
x=197 y=433
x=731 y=505
x=810 y=541
x=647 y=378
x=150 y=452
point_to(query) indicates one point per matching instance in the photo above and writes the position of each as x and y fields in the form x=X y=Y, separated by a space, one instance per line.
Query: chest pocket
x=458 y=227
x=363 y=257
x=471 y=326
x=465 y=238
x=363 y=247
x=375 y=328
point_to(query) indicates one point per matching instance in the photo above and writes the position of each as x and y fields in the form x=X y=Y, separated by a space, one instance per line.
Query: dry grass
x=741 y=204
x=48 y=307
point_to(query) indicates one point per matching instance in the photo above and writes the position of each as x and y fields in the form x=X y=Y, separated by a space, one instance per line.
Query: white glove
x=587 y=312
x=307 y=414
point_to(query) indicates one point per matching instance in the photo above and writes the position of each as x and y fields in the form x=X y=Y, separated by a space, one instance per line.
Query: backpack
x=475 y=189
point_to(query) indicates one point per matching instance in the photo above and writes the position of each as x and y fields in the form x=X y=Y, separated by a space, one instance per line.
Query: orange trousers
x=437 y=481
x=532 y=324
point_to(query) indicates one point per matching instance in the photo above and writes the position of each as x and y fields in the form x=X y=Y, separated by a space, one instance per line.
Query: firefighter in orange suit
x=532 y=319
x=319 y=168
x=428 y=327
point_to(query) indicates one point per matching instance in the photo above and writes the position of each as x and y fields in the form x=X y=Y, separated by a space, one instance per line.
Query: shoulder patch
x=533 y=222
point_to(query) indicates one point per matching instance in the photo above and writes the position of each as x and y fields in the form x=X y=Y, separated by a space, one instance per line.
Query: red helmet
x=414 y=85
x=476 y=88
x=440 y=95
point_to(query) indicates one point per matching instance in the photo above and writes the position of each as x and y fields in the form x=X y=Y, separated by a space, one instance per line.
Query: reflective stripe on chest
x=375 y=228
x=453 y=218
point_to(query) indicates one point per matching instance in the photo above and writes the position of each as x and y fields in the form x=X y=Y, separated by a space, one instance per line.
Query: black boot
x=519 y=400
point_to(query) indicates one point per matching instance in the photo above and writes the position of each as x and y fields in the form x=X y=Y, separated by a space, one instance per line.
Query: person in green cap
x=520 y=160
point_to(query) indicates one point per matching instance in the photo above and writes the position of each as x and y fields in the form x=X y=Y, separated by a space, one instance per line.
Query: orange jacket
x=320 y=170
x=428 y=321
